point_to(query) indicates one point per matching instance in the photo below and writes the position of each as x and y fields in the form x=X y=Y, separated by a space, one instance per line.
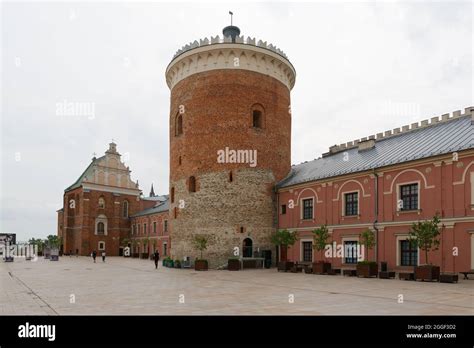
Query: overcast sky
x=362 y=68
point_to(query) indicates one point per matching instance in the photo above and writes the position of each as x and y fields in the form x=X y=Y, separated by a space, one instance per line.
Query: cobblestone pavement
x=130 y=286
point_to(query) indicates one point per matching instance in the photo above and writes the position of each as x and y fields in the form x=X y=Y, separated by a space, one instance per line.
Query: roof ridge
x=469 y=111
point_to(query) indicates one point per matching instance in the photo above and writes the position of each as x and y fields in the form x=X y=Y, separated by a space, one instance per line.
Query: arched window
x=101 y=225
x=100 y=228
x=101 y=202
x=125 y=209
x=172 y=195
x=192 y=184
x=258 y=116
x=179 y=125
x=247 y=247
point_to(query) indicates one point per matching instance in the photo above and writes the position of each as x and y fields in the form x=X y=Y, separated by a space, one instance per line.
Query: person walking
x=103 y=256
x=94 y=255
x=156 y=257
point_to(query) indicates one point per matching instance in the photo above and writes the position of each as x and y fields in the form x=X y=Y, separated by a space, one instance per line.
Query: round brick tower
x=230 y=143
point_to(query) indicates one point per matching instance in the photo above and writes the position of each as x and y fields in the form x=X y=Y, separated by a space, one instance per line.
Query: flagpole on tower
x=231 y=14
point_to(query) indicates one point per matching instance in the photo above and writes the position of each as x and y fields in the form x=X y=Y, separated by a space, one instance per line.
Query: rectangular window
x=154 y=226
x=144 y=229
x=307 y=209
x=165 y=249
x=139 y=228
x=351 y=201
x=165 y=227
x=283 y=209
x=408 y=254
x=307 y=251
x=350 y=252
x=409 y=197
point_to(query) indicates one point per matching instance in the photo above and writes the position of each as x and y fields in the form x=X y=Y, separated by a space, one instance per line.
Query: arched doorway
x=247 y=248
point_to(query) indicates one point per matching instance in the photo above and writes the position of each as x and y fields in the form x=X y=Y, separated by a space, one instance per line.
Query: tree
x=39 y=243
x=425 y=234
x=284 y=238
x=53 y=241
x=367 y=239
x=320 y=238
x=200 y=243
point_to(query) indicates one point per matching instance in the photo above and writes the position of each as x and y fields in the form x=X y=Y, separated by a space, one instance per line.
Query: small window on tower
x=101 y=203
x=179 y=125
x=179 y=160
x=231 y=178
x=257 y=119
x=192 y=184
x=172 y=195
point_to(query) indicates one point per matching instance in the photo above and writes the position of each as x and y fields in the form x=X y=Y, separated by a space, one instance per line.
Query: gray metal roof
x=159 y=208
x=444 y=137
x=86 y=172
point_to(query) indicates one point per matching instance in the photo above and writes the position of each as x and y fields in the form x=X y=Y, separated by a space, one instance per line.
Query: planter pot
x=163 y=263
x=321 y=267
x=367 y=270
x=427 y=272
x=135 y=255
x=201 y=265
x=448 y=278
x=233 y=265
x=177 y=264
x=54 y=258
x=9 y=259
x=285 y=265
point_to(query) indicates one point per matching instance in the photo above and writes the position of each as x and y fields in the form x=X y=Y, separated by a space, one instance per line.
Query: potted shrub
x=284 y=239
x=233 y=264
x=320 y=239
x=425 y=236
x=177 y=263
x=367 y=268
x=200 y=243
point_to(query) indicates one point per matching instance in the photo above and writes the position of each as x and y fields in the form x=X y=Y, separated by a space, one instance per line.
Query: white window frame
x=98 y=246
x=101 y=218
x=343 y=241
x=302 y=209
x=399 y=194
x=398 y=256
x=302 y=251
x=344 y=203
x=101 y=199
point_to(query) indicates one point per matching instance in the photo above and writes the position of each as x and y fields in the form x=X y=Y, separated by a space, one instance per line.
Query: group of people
x=94 y=255
x=156 y=257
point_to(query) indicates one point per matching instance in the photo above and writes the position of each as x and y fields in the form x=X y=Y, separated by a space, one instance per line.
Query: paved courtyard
x=131 y=286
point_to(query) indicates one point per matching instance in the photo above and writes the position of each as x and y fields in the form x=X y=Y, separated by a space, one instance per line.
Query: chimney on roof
x=366 y=145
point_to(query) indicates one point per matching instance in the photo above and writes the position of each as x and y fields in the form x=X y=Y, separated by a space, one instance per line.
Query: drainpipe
x=376 y=211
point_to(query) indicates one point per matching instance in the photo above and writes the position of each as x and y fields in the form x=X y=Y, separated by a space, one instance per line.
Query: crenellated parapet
x=216 y=53
x=228 y=39
x=372 y=139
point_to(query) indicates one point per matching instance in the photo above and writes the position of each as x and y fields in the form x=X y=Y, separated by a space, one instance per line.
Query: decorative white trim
x=113 y=189
x=98 y=246
x=310 y=189
x=346 y=182
x=404 y=171
x=463 y=175
x=101 y=218
x=221 y=57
